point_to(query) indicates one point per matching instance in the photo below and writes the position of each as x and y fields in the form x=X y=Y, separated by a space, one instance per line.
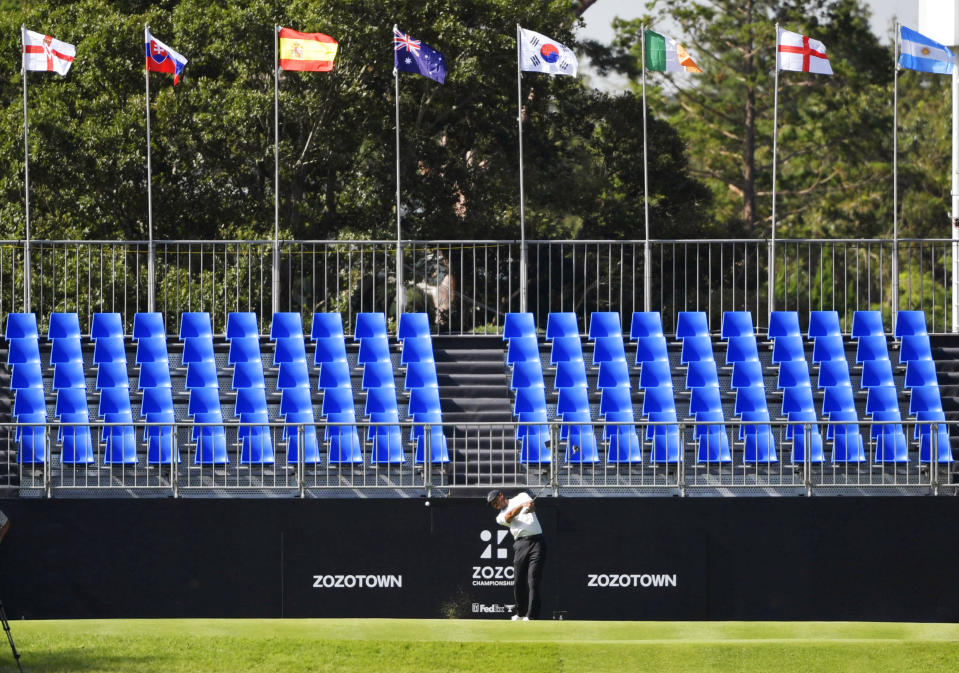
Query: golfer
x=529 y=549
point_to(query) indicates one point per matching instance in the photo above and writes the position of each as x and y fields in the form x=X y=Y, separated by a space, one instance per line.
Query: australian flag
x=411 y=55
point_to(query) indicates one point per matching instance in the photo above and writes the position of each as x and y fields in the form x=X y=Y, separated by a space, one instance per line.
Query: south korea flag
x=538 y=53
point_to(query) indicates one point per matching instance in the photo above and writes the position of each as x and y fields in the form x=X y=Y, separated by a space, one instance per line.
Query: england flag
x=538 y=53
x=45 y=54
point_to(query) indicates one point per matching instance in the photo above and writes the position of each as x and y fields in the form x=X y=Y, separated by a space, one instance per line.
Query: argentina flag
x=918 y=52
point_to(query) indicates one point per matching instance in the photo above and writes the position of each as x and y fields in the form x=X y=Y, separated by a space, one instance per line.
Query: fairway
x=422 y=646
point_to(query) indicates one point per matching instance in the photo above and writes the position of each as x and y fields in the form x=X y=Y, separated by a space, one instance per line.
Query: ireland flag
x=664 y=54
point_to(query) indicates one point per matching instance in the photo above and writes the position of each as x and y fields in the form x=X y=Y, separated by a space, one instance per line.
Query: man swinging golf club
x=529 y=549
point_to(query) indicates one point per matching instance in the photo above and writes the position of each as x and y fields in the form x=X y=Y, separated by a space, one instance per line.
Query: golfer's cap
x=492 y=495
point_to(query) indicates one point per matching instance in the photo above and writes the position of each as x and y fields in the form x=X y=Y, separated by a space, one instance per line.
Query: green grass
x=423 y=646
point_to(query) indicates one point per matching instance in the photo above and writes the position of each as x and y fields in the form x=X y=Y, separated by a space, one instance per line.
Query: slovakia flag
x=160 y=58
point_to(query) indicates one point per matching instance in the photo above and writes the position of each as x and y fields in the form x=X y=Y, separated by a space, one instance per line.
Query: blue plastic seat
x=108 y=325
x=293 y=375
x=420 y=375
x=248 y=375
x=617 y=399
x=154 y=375
x=750 y=400
x=338 y=401
x=792 y=374
x=564 y=349
x=646 y=324
x=161 y=449
x=121 y=445
x=559 y=325
x=256 y=443
x=378 y=375
x=386 y=445
x=805 y=435
x=30 y=401
x=527 y=375
x=798 y=400
x=613 y=374
x=300 y=401
x=302 y=436
x=335 y=375
x=244 y=350
x=253 y=401
x=692 y=324
x=783 y=324
x=68 y=375
x=702 y=373
x=201 y=375
x=289 y=349
x=374 y=349
x=424 y=401
x=789 y=348
x=910 y=323
x=867 y=323
x=31 y=440
x=66 y=350
x=534 y=439
x=934 y=439
x=521 y=349
x=327 y=325
x=607 y=349
x=921 y=373
x=925 y=399
x=69 y=401
x=204 y=401
x=413 y=325
x=713 y=440
x=369 y=325
x=197 y=349
x=882 y=398
x=26 y=375
x=828 y=348
x=241 y=325
x=287 y=325
x=582 y=447
x=430 y=440
x=572 y=400
x=420 y=349
x=195 y=325
x=911 y=348
x=872 y=348
x=109 y=349
x=210 y=446
x=695 y=349
x=824 y=323
x=837 y=398
x=329 y=349
x=704 y=400
x=23 y=350
x=24 y=325
x=833 y=373
x=605 y=324
x=62 y=326
x=77 y=445
x=151 y=349
x=749 y=374
x=156 y=401
x=737 y=324
x=148 y=326
x=113 y=375
x=741 y=349
x=876 y=373
x=518 y=325
x=890 y=440
x=380 y=400
x=759 y=443
x=570 y=375
x=655 y=374
x=658 y=400
x=650 y=349
x=345 y=446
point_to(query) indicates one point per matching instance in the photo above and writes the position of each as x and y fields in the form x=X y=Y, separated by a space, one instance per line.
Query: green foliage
x=212 y=149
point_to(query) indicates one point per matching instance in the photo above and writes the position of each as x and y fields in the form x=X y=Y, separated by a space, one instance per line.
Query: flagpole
x=399 y=231
x=955 y=198
x=276 y=170
x=772 y=240
x=647 y=264
x=26 y=175
x=146 y=71
x=895 y=176
x=522 y=212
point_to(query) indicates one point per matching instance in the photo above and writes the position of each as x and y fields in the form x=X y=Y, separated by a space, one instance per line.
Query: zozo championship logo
x=493 y=575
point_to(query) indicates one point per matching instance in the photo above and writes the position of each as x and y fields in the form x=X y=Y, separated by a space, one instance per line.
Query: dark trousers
x=529 y=557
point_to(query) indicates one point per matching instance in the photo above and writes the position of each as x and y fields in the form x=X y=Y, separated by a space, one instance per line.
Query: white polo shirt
x=523 y=524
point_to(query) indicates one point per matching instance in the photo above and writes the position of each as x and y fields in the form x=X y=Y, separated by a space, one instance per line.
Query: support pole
x=895 y=178
x=400 y=293
x=26 y=176
x=276 y=170
x=647 y=263
x=522 y=205
x=772 y=240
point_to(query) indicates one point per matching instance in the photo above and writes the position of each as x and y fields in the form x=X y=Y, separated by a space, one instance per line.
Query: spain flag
x=306 y=51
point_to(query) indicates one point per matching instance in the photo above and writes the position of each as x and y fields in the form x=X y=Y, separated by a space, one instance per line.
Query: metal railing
x=467 y=287
x=485 y=455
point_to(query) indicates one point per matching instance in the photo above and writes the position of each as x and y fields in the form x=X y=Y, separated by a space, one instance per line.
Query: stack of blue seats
x=336 y=384
x=26 y=381
x=156 y=387
x=925 y=401
x=882 y=398
x=380 y=385
x=526 y=380
x=422 y=385
x=243 y=335
x=196 y=333
x=566 y=355
x=838 y=403
x=69 y=384
x=798 y=406
x=656 y=382
x=702 y=381
x=615 y=388
x=742 y=353
x=110 y=358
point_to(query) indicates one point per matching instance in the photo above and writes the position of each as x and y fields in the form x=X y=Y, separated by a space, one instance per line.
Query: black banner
x=863 y=558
